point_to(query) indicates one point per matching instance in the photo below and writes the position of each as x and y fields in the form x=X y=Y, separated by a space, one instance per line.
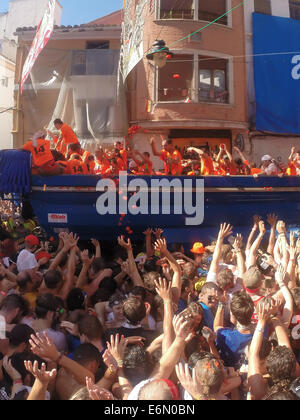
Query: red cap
x=32 y=240
x=43 y=254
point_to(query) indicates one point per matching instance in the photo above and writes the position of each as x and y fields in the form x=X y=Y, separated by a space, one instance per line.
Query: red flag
x=42 y=36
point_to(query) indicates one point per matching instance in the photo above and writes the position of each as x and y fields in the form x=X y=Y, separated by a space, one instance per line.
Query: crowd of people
x=152 y=321
x=68 y=157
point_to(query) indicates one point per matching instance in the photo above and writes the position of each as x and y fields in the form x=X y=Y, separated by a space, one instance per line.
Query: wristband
x=167 y=301
x=260 y=330
x=3 y=293
x=221 y=305
x=120 y=363
x=18 y=381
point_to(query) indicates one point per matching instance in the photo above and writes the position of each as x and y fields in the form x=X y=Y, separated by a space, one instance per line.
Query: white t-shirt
x=26 y=261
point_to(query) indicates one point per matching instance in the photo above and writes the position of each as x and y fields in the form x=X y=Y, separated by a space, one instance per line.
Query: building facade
x=75 y=79
x=20 y=13
x=199 y=97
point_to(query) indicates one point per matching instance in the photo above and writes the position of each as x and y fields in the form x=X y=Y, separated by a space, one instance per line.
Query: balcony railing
x=177 y=14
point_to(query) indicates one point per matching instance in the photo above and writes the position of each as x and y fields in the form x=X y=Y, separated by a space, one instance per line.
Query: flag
x=42 y=36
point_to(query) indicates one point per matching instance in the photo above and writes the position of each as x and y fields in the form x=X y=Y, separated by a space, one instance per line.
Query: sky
x=80 y=11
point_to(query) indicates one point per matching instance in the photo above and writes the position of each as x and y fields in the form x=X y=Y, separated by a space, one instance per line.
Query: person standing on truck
x=145 y=165
x=42 y=159
x=67 y=136
x=170 y=156
x=118 y=145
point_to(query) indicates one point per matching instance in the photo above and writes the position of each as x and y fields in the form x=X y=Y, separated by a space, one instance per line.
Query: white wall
x=3 y=20
x=24 y=13
x=6 y=101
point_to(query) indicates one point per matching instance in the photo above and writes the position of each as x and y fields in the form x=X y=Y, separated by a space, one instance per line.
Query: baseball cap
x=32 y=240
x=198 y=248
x=43 y=254
x=266 y=158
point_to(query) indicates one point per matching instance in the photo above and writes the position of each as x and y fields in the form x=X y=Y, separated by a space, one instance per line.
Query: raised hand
x=163 y=289
x=117 y=348
x=126 y=245
x=188 y=380
x=96 y=393
x=256 y=220
x=238 y=242
x=261 y=227
x=95 y=242
x=42 y=375
x=161 y=246
x=272 y=220
x=264 y=311
x=148 y=232
x=85 y=257
x=10 y=370
x=182 y=328
x=43 y=346
x=280 y=275
x=225 y=230
x=158 y=233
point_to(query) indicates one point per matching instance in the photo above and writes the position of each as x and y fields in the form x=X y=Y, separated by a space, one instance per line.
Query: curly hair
x=281 y=366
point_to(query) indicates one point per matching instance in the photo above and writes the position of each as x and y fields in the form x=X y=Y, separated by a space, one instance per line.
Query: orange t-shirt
x=255 y=171
x=207 y=166
x=123 y=153
x=40 y=154
x=291 y=170
x=76 y=167
x=68 y=137
x=102 y=166
x=229 y=169
x=173 y=168
x=121 y=165
x=146 y=168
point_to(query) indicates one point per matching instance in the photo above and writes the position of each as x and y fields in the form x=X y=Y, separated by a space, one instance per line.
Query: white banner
x=132 y=49
x=42 y=36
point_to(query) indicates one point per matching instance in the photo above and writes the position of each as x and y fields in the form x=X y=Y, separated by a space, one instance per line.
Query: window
x=213 y=83
x=263 y=6
x=175 y=80
x=211 y=10
x=4 y=81
x=295 y=9
x=176 y=9
x=103 y=45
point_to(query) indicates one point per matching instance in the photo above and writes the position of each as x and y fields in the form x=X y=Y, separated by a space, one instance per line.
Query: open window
x=295 y=9
x=175 y=80
x=263 y=6
x=211 y=10
x=213 y=80
x=172 y=9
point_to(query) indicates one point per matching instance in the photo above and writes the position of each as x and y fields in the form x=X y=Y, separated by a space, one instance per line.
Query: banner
x=277 y=73
x=42 y=36
x=132 y=49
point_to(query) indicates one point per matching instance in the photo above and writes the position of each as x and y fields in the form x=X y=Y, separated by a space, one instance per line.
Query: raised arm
x=69 y=283
x=163 y=289
x=161 y=246
x=169 y=360
x=149 y=248
x=43 y=346
x=272 y=220
x=86 y=263
x=154 y=149
x=135 y=275
x=281 y=279
x=257 y=385
x=237 y=246
x=251 y=260
x=256 y=220
x=225 y=230
x=42 y=380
